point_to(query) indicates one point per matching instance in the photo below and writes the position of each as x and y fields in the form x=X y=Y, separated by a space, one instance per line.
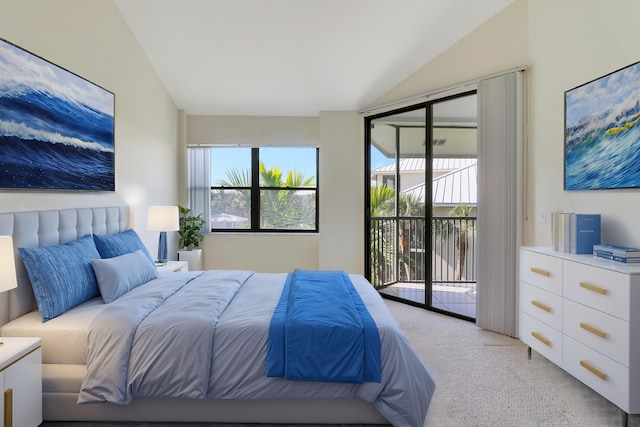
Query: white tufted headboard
x=45 y=228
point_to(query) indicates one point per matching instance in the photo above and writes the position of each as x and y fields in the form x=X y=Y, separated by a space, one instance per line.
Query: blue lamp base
x=162 y=247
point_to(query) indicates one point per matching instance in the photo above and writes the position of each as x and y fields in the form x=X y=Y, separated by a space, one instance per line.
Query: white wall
x=264 y=252
x=498 y=45
x=90 y=38
x=340 y=242
x=572 y=42
x=564 y=44
x=341 y=192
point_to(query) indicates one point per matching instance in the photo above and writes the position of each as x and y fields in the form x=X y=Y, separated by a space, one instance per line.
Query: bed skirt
x=61 y=383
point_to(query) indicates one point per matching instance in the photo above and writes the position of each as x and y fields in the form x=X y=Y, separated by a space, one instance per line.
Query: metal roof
x=418 y=165
x=452 y=189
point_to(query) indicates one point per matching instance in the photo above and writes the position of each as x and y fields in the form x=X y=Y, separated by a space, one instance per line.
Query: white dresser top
x=588 y=260
x=14 y=348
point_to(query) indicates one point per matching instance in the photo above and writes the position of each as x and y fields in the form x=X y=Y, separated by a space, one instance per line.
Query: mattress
x=64 y=338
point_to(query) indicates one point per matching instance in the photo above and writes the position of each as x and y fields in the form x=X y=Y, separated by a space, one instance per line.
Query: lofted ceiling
x=293 y=57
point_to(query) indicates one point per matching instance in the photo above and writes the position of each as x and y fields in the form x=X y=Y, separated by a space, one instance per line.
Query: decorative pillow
x=125 y=242
x=118 y=275
x=61 y=275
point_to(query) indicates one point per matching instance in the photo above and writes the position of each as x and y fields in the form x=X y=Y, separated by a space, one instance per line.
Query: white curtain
x=500 y=140
x=200 y=184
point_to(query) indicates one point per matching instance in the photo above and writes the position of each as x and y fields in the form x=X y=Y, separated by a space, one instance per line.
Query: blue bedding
x=322 y=331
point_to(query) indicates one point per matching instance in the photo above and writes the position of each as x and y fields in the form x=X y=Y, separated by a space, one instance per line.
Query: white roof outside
x=418 y=165
x=452 y=189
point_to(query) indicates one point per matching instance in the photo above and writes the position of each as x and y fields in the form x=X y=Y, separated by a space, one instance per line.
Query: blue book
x=585 y=232
x=621 y=251
x=605 y=255
x=629 y=260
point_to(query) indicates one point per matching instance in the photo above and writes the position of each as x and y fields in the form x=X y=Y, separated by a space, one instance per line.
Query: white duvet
x=203 y=335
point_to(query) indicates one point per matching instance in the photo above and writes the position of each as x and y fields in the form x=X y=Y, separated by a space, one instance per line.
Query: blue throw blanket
x=322 y=331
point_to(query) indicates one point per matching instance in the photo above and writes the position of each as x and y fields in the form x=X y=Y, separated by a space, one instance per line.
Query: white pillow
x=118 y=275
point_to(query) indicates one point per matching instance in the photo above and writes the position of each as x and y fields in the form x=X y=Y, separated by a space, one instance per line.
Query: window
x=264 y=189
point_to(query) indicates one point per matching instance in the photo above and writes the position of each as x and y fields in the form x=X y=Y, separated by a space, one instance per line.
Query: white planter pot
x=193 y=257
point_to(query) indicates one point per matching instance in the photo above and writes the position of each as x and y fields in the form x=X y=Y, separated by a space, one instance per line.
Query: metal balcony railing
x=398 y=252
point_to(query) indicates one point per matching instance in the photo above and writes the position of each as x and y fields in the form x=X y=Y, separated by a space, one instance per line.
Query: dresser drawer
x=602 y=289
x=541 y=270
x=602 y=374
x=541 y=337
x=602 y=332
x=541 y=305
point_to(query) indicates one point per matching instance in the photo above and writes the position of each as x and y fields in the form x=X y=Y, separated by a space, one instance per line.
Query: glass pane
x=288 y=167
x=383 y=252
x=454 y=204
x=230 y=209
x=399 y=187
x=288 y=209
x=412 y=136
x=383 y=170
x=231 y=166
x=455 y=128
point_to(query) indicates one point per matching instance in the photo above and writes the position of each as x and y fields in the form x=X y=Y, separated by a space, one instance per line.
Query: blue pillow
x=118 y=275
x=61 y=275
x=125 y=242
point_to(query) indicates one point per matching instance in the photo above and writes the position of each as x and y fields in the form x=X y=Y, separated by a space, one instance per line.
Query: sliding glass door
x=397 y=210
x=421 y=204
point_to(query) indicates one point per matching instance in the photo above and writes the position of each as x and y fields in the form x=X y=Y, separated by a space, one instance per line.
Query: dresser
x=583 y=314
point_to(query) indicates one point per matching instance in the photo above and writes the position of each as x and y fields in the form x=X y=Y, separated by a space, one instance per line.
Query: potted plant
x=190 y=238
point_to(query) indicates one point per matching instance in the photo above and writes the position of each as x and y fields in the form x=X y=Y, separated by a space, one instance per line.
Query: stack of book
x=617 y=253
x=575 y=233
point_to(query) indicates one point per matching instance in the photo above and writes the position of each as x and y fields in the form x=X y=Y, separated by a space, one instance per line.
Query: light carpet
x=485 y=379
x=482 y=379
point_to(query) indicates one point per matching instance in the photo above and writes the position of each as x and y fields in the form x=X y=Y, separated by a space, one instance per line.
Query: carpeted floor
x=483 y=379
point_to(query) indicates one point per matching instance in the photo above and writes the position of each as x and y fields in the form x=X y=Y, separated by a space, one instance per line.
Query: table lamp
x=163 y=219
x=8 y=279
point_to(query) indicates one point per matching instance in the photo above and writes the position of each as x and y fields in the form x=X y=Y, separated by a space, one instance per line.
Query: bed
x=232 y=386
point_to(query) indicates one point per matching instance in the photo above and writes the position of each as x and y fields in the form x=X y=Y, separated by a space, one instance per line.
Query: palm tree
x=463 y=229
x=383 y=233
x=282 y=208
x=278 y=208
x=381 y=195
x=382 y=248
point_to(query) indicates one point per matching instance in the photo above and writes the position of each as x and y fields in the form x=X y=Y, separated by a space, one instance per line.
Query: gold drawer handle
x=593 y=330
x=540 y=338
x=593 y=370
x=541 y=306
x=8 y=408
x=540 y=272
x=593 y=288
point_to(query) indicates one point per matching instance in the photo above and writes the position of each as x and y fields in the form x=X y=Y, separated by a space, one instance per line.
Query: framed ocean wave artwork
x=56 y=128
x=602 y=132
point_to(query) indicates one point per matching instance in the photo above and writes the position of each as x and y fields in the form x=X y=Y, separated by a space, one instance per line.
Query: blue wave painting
x=602 y=135
x=56 y=128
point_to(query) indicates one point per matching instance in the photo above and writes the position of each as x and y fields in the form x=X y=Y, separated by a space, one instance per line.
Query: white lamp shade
x=163 y=218
x=7 y=264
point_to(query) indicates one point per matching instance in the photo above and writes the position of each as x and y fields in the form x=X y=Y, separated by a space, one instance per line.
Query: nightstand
x=21 y=382
x=173 y=267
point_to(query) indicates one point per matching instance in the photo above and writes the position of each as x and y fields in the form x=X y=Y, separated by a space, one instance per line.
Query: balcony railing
x=398 y=252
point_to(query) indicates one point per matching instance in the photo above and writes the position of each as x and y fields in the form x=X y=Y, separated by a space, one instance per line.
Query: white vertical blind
x=200 y=184
x=500 y=136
